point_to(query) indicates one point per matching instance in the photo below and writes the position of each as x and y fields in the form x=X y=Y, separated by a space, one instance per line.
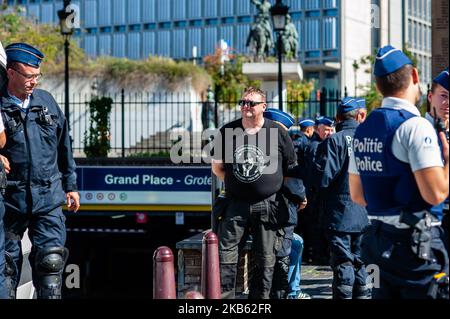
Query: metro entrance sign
x=165 y=185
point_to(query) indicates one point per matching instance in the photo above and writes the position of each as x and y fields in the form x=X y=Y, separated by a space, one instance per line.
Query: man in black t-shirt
x=251 y=155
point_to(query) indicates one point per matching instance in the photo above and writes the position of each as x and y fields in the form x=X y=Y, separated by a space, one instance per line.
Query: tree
x=230 y=82
x=16 y=28
x=297 y=93
x=97 y=139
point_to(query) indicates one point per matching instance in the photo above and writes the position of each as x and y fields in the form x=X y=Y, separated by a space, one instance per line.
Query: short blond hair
x=253 y=90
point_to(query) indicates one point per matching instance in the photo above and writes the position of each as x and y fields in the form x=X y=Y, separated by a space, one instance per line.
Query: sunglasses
x=249 y=103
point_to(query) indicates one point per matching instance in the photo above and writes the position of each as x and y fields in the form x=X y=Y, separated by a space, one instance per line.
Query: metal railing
x=145 y=124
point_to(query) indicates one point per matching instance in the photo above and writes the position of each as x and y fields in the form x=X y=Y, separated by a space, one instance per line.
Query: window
x=165 y=25
x=180 y=24
x=120 y=28
x=315 y=13
x=296 y=15
x=228 y=20
x=244 y=19
x=91 y=30
x=135 y=27
x=330 y=53
x=105 y=29
x=211 y=21
x=195 y=23
x=313 y=54
x=331 y=13
x=149 y=26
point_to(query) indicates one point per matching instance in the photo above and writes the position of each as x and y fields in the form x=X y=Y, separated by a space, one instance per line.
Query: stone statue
x=290 y=40
x=260 y=38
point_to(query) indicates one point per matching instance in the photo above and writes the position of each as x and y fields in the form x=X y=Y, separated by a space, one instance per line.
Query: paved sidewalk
x=316 y=281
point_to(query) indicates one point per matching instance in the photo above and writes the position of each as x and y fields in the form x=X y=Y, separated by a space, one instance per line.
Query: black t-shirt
x=254 y=164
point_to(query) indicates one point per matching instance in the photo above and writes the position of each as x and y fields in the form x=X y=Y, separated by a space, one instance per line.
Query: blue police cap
x=279 y=116
x=442 y=79
x=348 y=104
x=351 y=103
x=389 y=60
x=361 y=102
x=24 y=53
x=324 y=120
x=306 y=123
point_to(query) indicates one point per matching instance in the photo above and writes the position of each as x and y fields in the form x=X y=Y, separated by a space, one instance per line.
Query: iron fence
x=147 y=124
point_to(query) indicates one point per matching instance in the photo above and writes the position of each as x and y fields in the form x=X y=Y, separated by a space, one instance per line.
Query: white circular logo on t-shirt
x=249 y=163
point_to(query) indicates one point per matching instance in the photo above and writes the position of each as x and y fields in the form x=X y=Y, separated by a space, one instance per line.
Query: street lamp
x=66 y=29
x=279 y=12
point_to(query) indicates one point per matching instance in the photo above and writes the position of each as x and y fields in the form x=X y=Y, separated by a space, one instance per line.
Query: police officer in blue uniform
x=3 y=290
x=294 y=191
x=315 y=237
x=301 y=143
x=301 y=146
x=438 y=115
x=344 y=221
x=42 y=174
x=397 y=172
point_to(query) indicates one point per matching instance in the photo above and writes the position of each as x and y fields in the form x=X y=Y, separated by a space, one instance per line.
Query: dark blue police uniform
x=409 y=251
x=42 y=171
x=316 y=245
x=344 y=221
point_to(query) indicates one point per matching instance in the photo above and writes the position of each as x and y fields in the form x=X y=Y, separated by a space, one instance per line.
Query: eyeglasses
x=29 y=77
x=249 y=103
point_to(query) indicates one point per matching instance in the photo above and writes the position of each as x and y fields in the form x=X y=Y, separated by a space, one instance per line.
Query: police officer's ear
x=415 y=76
x=9 y=72
x=362 y=114
x=429 y=97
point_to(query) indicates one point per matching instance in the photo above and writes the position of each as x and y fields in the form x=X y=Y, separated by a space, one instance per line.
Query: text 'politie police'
x=373 y=149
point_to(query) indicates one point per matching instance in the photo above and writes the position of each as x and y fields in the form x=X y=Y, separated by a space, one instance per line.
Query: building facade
x=333 y=33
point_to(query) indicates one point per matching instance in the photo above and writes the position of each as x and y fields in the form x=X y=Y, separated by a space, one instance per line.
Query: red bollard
x=163 y=274
x=210 y=267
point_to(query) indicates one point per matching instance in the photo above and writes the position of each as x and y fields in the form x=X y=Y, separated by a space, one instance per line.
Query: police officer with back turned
x=397 y=172
x=344 y=221
x=41 y=177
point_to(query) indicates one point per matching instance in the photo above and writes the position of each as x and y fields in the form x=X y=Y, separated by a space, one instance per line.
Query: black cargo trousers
x=263 y=220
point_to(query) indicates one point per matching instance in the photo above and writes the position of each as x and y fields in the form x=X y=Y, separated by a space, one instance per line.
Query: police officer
x=294 y=191
x=302 y=141
x=3 y=290
x=318 y=243
x=42 y=173
x=324 y=128
x=251 y=155
x=344 y=221
x=438 y=116
x=398 y=174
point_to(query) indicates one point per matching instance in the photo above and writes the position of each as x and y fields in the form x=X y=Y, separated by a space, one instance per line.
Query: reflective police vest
x=389 y=184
